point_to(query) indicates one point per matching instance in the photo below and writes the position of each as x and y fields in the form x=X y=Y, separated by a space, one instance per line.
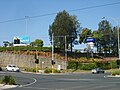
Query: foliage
x=48 y=70
x=105 y=32
x=116 y=72
x=87 y=66
x=90 y=65
x=25 y=48
x=30 y=69
x=8 y=80
x=37 y=43
x=84 y=34
x=64 y=25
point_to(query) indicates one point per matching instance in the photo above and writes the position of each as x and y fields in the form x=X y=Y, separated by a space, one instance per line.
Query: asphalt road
x=81 y=81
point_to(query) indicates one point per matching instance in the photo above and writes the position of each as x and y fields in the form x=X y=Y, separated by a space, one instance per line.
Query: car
x=97 y=70
x=12 y=68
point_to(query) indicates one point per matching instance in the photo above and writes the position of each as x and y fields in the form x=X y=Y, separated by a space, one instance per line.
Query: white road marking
x=29 y=83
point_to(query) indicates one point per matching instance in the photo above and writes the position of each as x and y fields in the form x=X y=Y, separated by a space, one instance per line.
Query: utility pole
x=52 y=53
x=118 y=40
x=65 y=51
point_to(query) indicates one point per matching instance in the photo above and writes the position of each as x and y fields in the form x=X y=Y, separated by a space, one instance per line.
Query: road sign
x=90 y=39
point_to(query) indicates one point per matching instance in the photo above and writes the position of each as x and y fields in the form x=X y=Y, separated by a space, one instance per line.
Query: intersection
x=69 y=81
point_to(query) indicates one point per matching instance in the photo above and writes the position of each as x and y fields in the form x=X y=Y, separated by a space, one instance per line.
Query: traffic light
x=37 y=61
x=36 y=58
x=118 y=62
x=52 y=62
x=16 y=41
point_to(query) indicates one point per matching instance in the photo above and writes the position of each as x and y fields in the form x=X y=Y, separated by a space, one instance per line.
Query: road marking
x=77 y=79
x=29 y=83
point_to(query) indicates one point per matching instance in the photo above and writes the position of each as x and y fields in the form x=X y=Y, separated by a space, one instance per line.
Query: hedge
x=88 y=66
x=25 y=48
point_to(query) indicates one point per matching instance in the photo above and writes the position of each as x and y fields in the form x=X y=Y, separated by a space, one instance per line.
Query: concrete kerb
x=2 y=86
x=111 y=76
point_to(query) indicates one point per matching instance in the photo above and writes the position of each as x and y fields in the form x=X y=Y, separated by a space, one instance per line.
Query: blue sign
x=90 y=40
x=24 y=39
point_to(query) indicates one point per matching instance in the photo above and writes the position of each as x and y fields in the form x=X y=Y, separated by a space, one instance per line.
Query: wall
x=25 y=61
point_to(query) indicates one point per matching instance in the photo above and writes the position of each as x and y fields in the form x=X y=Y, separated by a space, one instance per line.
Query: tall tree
x=105 y=32
x=64 y=25
x=114 y=40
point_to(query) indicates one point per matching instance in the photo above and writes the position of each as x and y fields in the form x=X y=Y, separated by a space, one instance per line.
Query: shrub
x=30 y=69
x=116 y=72
x=72 y=65
x=8 y=80
x=87 y=66
x=48 y=70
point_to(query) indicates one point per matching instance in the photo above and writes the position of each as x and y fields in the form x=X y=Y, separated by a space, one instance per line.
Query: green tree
x=37 y=43
x=105 y=33
x=96 y=35
x=114 y=41
x=64 y=25
x=84 y=34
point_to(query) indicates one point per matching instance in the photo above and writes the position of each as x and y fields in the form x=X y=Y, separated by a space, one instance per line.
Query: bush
x=8 y=80
x=72 y=65
x=87 y=66
x=47 y=70
x=30 y=69
x=116 y=72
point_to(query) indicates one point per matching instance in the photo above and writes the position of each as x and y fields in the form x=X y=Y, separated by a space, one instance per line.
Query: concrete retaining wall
x=24 y=61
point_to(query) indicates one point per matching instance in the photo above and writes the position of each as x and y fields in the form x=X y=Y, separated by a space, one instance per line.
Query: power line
x=80 y=9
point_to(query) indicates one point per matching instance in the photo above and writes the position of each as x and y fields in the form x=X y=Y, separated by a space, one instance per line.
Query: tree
x=96 y=35
x=114 y=41
x=105 y=33
x=64 y=25
x=37 y=43
x=84 y=34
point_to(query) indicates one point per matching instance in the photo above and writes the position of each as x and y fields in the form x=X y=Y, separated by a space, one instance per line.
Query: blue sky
x=37 y=28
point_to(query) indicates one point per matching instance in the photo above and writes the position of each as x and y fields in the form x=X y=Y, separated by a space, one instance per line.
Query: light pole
x=52 y=53
x=117 y=20
x=26 y=21
x=118 y=39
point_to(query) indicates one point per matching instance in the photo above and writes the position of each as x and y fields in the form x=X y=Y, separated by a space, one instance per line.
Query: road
x=82 y=81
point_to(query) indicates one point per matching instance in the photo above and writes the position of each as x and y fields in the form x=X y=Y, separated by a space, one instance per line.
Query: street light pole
x=118 y=40
x=26 y=18
x=52 y=53
x=65 y=52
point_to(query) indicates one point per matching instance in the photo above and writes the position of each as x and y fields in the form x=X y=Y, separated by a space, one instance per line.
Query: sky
x=13 y=12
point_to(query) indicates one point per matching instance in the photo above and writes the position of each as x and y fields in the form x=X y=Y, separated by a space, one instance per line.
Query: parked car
x=12 y=68
x=97 y=70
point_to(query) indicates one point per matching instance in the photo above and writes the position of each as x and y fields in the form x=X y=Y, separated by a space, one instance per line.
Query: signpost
x=90 y=45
